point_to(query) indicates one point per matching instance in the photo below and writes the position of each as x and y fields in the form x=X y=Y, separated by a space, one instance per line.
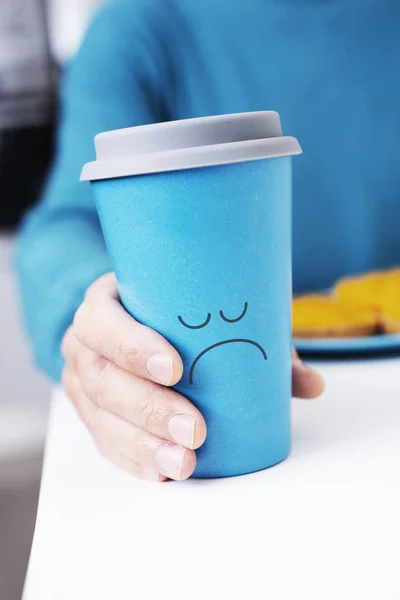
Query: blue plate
x=348 y=345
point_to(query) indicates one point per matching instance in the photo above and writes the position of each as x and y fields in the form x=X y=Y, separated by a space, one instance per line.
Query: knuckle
x=82 y=320
x=145 y=448
x=67 y=343
x=74 y=393
x=124 y=355
x=108 y=279
x=101 y=385
x=150 y=411
x=91 y=290
x=94 y=287
x=87 y=411
x=100 y=284
x=95 y=380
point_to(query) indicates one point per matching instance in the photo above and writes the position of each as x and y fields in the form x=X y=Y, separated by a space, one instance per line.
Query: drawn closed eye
x=206 y=322
x=238 y=318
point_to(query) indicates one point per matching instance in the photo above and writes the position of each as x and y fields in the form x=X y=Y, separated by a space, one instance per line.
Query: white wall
x=68 y=20
x=24 y=393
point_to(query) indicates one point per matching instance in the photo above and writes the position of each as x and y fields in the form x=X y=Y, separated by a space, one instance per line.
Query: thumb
x=306 y=383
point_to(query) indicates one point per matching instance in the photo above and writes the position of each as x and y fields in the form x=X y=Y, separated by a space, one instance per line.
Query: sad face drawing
x=207 y=322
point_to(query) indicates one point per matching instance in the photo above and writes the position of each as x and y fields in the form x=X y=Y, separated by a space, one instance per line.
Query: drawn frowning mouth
x=234 y=341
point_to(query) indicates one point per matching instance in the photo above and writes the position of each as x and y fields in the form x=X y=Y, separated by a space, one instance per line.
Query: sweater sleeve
x=115 y=81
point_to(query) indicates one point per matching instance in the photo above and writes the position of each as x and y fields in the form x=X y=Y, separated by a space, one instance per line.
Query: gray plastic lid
x=189 y=144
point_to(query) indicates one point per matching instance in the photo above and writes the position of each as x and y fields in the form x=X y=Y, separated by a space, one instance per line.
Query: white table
x=323 y=525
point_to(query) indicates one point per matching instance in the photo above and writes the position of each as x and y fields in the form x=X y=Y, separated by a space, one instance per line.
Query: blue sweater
x=330 y=67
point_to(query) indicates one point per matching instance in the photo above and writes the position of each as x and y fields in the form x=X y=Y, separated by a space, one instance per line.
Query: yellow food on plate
x=325 y=316
x=389 y=312
x=378 y=288
x=358 y=306
x=390 y=321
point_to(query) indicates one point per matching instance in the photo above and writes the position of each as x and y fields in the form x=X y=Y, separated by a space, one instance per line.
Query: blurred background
x=37 y=39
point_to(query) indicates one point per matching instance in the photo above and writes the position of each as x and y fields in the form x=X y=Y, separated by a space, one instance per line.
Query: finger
x=163 y=412
x=136 y=470
x=74 y=391
x=65 y=344
x=115 y=435
x=306 y=383
x=70 y=347
x=102 y=324
x=121 y=441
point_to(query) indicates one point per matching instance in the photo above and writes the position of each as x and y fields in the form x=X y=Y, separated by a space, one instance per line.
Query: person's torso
x=331 y=69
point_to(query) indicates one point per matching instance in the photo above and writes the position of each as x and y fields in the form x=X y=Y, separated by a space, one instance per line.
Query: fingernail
x=169 y=460
x=159 y=367
x=181 y=429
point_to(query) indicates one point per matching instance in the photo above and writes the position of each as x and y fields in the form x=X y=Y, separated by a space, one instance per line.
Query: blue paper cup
x=196 y=215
